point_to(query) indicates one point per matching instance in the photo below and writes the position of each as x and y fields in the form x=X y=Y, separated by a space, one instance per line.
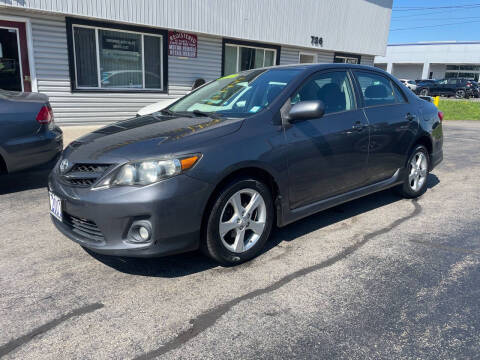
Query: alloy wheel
x=424 y=92
x=243 y=220
x=460 y=94
x=418 y=171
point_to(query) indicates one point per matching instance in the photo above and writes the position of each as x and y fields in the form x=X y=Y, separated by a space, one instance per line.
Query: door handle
x=358 y=126
x=410 y=117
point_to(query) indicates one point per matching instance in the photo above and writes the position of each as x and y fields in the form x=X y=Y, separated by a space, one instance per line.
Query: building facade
x=102 y=60
x=434 y=60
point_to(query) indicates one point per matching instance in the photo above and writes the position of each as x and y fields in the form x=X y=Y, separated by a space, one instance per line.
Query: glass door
x=14 y=66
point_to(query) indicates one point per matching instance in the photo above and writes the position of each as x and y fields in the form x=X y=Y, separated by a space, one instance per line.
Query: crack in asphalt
x=22 y=340
x=208 y=318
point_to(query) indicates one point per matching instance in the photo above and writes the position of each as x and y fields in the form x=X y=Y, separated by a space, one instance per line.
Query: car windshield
x=237 y=95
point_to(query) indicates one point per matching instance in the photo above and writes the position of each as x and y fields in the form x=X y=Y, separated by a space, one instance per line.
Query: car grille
x=85 y=228
x=85 y=175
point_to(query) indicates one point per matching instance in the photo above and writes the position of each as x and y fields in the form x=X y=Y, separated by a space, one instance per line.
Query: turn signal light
x=187 y=163
x=45 y=115
x=440 y=115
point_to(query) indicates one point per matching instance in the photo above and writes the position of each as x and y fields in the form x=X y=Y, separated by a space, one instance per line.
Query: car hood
x=148 y=136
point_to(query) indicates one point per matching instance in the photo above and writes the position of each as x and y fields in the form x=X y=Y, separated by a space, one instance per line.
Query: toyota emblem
x=64 y=166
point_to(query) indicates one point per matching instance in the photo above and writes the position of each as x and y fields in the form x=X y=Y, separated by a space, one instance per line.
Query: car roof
x=321 y=66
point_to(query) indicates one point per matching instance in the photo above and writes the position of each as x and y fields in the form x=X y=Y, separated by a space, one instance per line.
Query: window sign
x=182 y=44
x=116 y=59
x=112 y=40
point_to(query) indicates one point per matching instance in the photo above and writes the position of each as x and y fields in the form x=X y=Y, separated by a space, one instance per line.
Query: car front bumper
x=101 y=220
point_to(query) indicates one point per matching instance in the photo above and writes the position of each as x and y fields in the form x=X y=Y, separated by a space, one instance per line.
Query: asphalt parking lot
x=380 y=277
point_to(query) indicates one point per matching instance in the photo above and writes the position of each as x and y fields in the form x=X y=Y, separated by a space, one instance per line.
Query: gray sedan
x=219 y=167
x=28 y=134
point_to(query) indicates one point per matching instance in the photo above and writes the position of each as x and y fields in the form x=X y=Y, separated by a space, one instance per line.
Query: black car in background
x=28 y=134
x=460 y=88
x=475 y=88
x=420 y=82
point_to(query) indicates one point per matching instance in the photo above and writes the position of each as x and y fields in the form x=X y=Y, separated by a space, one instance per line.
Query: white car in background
x=411 y=84
x=150 y=109
x=162 y=104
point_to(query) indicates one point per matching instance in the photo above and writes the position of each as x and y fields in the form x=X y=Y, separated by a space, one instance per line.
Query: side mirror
x=305 y=110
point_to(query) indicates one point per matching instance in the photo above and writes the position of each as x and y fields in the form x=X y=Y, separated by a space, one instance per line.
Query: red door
x=14 y=66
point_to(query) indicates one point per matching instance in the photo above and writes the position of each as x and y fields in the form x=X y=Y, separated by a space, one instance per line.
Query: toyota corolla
x=219 y=167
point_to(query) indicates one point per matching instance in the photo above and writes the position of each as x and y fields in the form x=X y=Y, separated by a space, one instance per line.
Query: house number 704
x=317 y=41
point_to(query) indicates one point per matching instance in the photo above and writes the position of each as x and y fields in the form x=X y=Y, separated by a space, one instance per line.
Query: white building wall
x=433 y=53
x=291 y=55
x=367 y=60
x=438 y=70
x=50 y=53
x=407 y=71
x=432 y=58
x=356 y=26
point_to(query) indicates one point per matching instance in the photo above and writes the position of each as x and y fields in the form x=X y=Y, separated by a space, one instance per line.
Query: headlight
x=147 y=172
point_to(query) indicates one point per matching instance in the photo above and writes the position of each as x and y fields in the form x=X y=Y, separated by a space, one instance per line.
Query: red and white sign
x=182 y=44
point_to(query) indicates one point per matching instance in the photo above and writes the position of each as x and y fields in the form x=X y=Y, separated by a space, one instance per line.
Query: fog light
x=140 y=232
x=144 y=233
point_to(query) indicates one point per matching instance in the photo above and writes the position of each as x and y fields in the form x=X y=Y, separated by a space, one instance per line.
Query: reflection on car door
x=393 y=124
x=442 y=88
x=450 y=87
x=327 y=156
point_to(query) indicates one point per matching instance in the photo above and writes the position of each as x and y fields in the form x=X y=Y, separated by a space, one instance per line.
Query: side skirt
x=290 y=216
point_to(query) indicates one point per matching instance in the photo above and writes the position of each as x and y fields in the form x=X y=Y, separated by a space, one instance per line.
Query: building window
x=105 y=57
x=346 y=58
x=240 y=56
x=307 y=58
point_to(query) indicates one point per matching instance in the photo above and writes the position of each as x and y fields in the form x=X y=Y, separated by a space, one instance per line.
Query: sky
x=434 y=20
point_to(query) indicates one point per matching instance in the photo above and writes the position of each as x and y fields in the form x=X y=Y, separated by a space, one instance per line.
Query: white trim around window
x=116 y=61
x=314 y=55
x=99 y=73
x=252 y=47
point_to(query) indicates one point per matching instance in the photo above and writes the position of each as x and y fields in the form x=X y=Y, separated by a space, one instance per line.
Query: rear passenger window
x=399 y=95
x=376 y=89
x=333 y=88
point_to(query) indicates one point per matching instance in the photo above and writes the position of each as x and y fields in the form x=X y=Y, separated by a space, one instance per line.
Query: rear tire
x=239 y=222
x=460 y=94
x=415 y=183
x=424 y=92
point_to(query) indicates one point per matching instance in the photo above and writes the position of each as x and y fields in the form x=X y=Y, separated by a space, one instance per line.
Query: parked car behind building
x=460 y=88
x=411 y=84
x=28 y=134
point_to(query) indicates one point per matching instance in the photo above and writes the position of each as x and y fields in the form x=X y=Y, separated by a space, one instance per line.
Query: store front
x=435 y=60
x=105 y=68
x=471 y=72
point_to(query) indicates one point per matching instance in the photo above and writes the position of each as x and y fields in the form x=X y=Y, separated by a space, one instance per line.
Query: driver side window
x=333 y=88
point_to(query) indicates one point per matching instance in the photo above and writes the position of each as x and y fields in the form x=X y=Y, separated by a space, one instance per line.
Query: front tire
x=415 y=183
x=424 y=92
x=239 y=222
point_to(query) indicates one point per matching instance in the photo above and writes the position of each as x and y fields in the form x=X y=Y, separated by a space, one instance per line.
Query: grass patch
x=460 y=109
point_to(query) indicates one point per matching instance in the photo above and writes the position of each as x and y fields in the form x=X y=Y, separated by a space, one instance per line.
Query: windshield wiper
x=206 y=114
x=201 y=113
x=167 y=112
